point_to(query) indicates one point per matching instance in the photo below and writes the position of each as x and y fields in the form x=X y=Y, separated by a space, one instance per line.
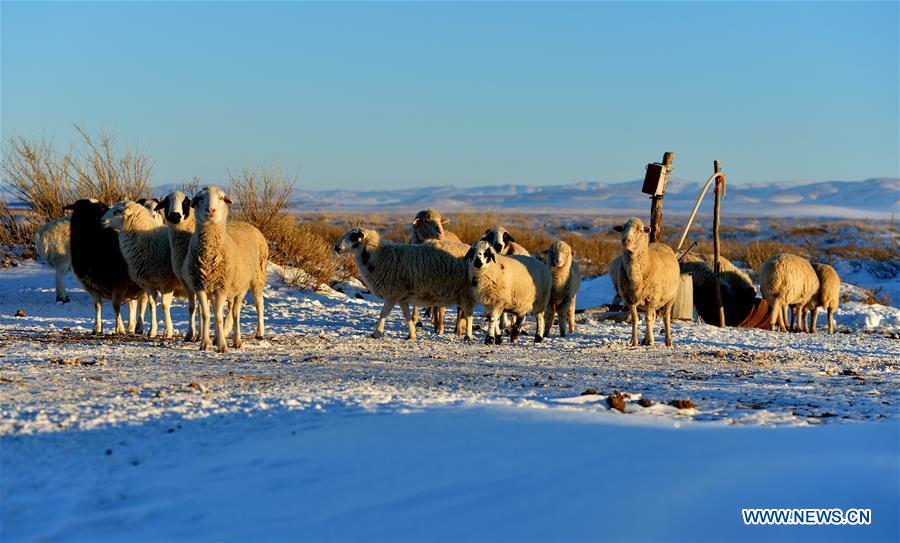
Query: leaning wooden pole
x=657 y=199
x=718 y=190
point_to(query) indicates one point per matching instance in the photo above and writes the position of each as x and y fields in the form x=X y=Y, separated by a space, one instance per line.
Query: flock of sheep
x=144 y=251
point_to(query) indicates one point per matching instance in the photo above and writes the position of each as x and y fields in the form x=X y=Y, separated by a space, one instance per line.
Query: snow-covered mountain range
x=871 y=198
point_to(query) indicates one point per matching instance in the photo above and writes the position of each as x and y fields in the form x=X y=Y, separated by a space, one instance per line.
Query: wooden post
x=720 y=183
x=656 y=203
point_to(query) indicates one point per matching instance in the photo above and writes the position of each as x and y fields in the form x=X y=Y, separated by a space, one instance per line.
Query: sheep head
x=635 y=236
x=355 y=240
x=558 y=255
x=429 y=224
x=87 y=209
x=152 y=204
x=499 y=239
x=481 y=255
x=114 y=217
x=176 y=207
x=211 y=205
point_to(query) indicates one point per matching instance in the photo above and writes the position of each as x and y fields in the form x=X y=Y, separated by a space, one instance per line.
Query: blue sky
x=389 y=95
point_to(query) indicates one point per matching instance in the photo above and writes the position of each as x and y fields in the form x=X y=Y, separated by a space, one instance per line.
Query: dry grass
x=102 y=172
x=36 y=174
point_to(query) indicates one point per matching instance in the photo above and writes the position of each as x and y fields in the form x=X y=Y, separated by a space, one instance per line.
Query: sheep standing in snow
x=828 y=296
x=176 y=210
x=648 y=278
x=517 y=284
x=428 y=225
x=566 y=280
x=99 y=266
x=787 y=280
x=145 y=246
x=222 y=263
x=404 y=273
x=502 y=242
x=52 y=244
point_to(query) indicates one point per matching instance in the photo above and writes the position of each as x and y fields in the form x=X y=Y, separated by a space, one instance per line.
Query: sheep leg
x=538 y=333
x=571 y=315
x=650 y=315
x=469 y=317
x=61 y=295
x=634 y=325
x=203 y=298
x=259 y=301
x=516 y=328
x=562 y=311
x=439 y=313
x=415 y=314
x=219 y=302
x=141 y=310
x=191 y=334
x=667 y=319
x=236 y=304
x=167 y=315
x=151 y=299
x=410 y=323
x=98 y=322
x=814 y=317
x=461 y=322
x=132 y=315
x=385 y=311
x=494 y=332
x=117 y=310
x=548 y=320
x=830 y=320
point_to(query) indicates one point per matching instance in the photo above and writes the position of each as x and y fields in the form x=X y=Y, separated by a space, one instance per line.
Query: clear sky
x=389 y=95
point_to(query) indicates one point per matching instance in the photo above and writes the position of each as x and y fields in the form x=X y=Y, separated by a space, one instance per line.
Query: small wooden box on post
x=655 y=181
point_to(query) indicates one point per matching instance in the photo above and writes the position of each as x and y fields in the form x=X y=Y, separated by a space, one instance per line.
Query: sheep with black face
x=503 y=242
x=516 y=284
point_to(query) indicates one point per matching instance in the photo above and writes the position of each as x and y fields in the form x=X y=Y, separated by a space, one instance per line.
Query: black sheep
x=99 y=266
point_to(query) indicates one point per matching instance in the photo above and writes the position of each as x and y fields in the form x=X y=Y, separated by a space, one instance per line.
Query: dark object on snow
x=683 y=404
x=96 y=259
x=20 y=313
x=589 y=392
x=644 y=402
x=738 y=293
x=616 y=401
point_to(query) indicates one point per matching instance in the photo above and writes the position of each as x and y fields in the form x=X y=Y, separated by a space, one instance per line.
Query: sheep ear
x=195 y=200
x=445 y=220
x=185 y=208
x=470 y=255
x=162 y=205
x=646 y=229
x=491 y=256
x=69 y=207
x=355 y=237
x=228 y=200
x=507 y=238
x=618 y=228
x=416 y=221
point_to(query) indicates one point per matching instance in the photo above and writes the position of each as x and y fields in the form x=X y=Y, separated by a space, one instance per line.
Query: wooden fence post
x=720 y=184
x=656 y=200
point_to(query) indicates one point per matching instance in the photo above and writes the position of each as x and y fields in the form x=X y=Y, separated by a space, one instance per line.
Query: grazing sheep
x=99 y=266
x=145 y=246
x=222 y=263
x=152 y=205
x=429 y=224
x=738 y=292
x=517 y=284
x=787 y=280
x=566 y=280
x=176 y=209
x=502 y=242
x=52 y=244
x=403 y=273
x=649 y=278
x=828 y=296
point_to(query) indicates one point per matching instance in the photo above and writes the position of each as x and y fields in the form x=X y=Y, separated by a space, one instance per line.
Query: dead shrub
x=37 y=175
x=261 y=198
x=102 y=172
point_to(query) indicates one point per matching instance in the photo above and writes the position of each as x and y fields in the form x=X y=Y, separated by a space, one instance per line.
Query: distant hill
x=872 y=198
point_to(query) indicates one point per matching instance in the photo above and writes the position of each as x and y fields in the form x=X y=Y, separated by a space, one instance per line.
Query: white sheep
x=828 y=296
x=517 y=284
x=787 y=280
x=222 y=263
x=649 y=278
x=145 y=247
x=502 y=242
x=52 y=244
x=429 y=224
x=152 y=205
x=404 y=274
x=565 y=282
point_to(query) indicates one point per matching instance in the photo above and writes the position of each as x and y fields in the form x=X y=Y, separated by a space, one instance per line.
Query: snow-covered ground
x=321 y=433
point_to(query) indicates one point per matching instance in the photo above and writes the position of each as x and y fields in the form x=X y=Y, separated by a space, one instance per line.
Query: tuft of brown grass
x=37 y=175
x=261 y=198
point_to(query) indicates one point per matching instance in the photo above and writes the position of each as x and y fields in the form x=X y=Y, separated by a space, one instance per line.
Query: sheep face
x=481 y=255
x=635 y=236
x=352 y=241
x=429 y=224
x=558 y=255
x=114 y=217
x=152 y=204
x=499 y=239
x=176 y=207
x=211 y=205
x=87 y=209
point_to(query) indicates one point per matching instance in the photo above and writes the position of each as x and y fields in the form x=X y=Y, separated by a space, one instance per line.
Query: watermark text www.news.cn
x=807 y=517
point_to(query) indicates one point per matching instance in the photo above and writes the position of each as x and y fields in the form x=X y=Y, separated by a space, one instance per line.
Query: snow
x=320 y=433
